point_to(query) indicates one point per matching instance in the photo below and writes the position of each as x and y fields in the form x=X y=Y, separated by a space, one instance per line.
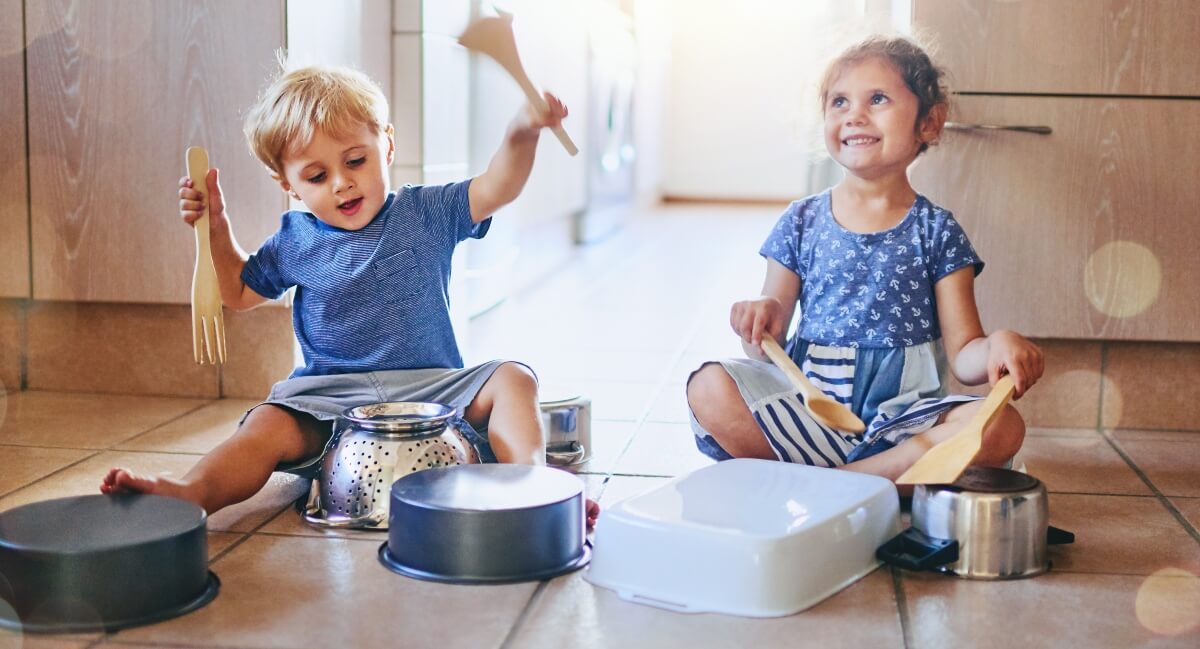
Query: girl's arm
x=768 y=314
x=974 y=357
x=509 y=168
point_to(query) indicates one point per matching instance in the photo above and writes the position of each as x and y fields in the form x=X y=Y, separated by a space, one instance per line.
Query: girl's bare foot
x=122 y=481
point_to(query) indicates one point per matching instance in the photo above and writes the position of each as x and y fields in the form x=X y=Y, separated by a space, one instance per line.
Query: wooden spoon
x=943 y=463
x=819 y=405
x=494 y=36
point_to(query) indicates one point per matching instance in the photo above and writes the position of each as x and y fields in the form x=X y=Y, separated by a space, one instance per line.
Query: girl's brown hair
x=925 y=79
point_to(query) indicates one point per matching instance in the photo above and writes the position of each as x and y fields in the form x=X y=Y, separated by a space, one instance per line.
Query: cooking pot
x=486 y=524
x=568 y=424
x=373 y=445
x=989 y=524
x=102 y=562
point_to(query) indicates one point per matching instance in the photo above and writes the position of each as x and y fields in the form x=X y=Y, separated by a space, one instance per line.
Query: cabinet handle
x=959 y=126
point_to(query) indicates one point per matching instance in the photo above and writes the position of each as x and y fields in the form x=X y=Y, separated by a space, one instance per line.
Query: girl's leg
x=238 y=467
x=718 y=406
x=1001 y=441
x=507 y=405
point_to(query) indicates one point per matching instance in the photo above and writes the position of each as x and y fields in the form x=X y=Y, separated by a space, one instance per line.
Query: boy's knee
x=516 y=376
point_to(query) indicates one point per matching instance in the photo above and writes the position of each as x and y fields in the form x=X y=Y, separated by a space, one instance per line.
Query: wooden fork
x=208 y=324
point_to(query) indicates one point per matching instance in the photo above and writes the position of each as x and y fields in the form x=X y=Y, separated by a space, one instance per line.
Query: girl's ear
x=931 y=127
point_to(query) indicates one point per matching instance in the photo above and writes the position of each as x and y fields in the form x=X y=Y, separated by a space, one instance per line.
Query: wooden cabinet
x=1045 y=211
x=1089 y=231
x=14 y=199
x=117 y=90
x=1115 y=47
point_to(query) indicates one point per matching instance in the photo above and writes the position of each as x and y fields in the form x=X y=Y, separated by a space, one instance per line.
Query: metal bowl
x=486 y=524
x=374 y=445
x=101 y=563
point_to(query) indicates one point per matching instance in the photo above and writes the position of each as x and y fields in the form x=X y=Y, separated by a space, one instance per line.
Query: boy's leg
x=719 y=408
x=1001 y=441
x=238 y=467
x=507 y=405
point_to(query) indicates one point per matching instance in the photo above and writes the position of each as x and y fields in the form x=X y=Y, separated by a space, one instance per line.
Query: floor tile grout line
x=901 y=606
x=1162 y=498
x=81 y=460
x=159 y=425
x=526 y=611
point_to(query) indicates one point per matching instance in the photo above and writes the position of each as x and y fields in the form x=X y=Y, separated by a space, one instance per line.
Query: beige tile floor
x=623 y=322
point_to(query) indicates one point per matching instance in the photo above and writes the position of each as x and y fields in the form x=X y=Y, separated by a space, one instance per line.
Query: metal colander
x=373 y=446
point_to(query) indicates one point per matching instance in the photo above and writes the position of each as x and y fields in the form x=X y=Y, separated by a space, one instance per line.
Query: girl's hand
x=536 y=120
x=752 y=319
x=190 y=206
x=1011 y=353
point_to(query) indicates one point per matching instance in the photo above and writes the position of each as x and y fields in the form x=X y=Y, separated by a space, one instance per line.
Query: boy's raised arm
x=228 y=257
x=509 y=168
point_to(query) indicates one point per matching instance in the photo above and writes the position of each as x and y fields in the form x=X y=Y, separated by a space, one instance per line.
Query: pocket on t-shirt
x=397 y=276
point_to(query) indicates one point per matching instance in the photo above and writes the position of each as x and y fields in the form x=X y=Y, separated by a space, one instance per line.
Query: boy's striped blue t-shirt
x=376 y=298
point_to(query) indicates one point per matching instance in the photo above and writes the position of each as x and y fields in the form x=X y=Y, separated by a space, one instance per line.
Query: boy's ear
x=283 y=184
x=934 y=122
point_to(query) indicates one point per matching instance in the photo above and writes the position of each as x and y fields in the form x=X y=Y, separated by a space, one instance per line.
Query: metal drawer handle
x=959 y=126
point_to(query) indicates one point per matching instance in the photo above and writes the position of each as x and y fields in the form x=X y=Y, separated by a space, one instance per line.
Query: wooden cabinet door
x=14 y=199
x=1090 y=232
x=1118 y=47
x=117 y=91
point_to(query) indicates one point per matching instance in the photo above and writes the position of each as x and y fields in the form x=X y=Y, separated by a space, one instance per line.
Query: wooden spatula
x=494 y=36
x=819 y=405
x=943 y=463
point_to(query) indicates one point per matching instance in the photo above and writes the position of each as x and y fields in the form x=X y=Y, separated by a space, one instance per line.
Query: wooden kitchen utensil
x=819 y=405
x=208 y=324
x=943 y=463
x=493 y=36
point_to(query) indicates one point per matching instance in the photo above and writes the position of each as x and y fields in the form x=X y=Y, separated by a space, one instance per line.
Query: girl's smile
x=871 y=120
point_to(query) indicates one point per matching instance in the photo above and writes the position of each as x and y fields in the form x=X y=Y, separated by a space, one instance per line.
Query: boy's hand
x=753 y=319
x=190 y=206
x=536 y=120
x=1011 y=353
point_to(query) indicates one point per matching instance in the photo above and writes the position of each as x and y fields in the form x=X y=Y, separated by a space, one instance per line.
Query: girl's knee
x=709 y=385
x=1005 y=436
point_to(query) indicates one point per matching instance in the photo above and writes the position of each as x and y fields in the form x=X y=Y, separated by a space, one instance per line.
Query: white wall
x=742 y=120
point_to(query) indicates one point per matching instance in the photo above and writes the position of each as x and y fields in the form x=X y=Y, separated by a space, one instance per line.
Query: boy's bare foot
x=593 y=511
x=122 y=481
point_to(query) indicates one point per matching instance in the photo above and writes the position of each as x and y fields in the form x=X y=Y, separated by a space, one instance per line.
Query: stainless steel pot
x=989 y=524
x=568 y=424
x=373 y=446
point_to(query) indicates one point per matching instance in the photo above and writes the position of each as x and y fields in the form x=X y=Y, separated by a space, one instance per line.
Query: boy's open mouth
x=350 y=207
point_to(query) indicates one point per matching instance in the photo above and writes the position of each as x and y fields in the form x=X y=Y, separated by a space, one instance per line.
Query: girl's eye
x=838 y=102
x=357 y=161
x=878 y=98
x=317 y=178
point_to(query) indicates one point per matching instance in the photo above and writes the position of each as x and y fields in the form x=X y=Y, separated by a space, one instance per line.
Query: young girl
x=884 y=280
x=370 y=269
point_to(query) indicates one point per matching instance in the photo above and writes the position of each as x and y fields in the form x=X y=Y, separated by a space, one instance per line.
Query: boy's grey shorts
x=326 y=397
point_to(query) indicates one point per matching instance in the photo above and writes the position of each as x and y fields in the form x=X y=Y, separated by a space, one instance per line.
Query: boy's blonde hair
x=335 y=100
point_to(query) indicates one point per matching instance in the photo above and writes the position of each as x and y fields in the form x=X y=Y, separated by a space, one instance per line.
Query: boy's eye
x=357 y=161
x=316 y=178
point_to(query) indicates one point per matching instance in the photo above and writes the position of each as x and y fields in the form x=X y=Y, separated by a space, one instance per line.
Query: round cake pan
x=101 y=563
x=486 y=524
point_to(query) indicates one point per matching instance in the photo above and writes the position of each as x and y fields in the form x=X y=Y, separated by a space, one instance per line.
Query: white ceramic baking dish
x=746 y=537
